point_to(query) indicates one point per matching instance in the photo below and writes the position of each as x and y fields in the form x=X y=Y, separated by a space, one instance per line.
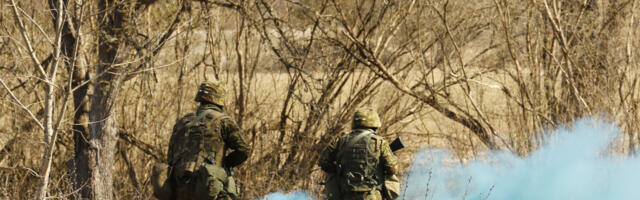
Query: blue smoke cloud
x=573 y=164
x=297 y=195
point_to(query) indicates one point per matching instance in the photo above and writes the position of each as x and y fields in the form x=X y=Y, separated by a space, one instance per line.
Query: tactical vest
x=358 y=162
x=198 y=139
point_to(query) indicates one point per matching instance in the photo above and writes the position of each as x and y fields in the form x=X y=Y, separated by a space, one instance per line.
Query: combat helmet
x=366 y=118
x=212 y=92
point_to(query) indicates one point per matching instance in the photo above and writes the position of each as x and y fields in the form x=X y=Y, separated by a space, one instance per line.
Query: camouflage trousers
x=372 y=195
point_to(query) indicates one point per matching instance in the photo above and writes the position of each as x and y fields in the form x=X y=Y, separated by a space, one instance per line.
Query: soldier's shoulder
x=343 y=135
x=186 y=118
x=383 y=140
x=379 y=137
x=191 y=114
x=223 y=119
x=214 y=114
x=181 y=123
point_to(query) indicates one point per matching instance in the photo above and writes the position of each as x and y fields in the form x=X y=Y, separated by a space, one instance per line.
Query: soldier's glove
x=234 y=159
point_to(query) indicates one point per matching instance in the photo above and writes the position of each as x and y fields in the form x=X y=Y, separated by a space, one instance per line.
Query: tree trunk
x=79 y=167
x=95 y=151
x=49 y=138
x=102 y=132
x=100 y=152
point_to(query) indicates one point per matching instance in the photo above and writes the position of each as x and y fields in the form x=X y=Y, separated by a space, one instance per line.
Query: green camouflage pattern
x=197 y=140
x=200 y=169
x=391 y=187
x=358 y=157
x=329 y=159
x=366 y=118
x=213 y=92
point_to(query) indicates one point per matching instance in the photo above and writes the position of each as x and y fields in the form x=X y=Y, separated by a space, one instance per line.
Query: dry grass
x=515 y=67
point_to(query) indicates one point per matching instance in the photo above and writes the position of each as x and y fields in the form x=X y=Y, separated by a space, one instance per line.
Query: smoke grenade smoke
x=574 y=163
x=297 y=195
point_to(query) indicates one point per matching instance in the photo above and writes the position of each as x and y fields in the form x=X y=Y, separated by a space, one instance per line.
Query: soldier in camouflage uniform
x=198 y=159
x=358 y=164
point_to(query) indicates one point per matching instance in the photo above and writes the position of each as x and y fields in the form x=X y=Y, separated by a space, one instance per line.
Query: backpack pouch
x=211 y=181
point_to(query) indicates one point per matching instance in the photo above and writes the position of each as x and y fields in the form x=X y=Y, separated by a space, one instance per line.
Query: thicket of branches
x=91 y=89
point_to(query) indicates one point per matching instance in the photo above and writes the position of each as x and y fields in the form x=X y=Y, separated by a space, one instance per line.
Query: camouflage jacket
x=231 y=135
x=328 y=157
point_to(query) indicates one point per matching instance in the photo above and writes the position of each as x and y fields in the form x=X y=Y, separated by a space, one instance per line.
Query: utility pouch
x=231 y=187
x=211 y=181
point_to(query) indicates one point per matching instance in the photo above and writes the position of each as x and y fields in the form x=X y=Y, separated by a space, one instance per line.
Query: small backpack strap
x=212 y=115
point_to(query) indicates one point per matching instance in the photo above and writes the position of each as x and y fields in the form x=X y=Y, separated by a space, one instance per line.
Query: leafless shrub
x=469 y=76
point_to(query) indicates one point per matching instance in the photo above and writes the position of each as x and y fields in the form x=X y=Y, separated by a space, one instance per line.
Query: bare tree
x=48 y=74
x=471 y=76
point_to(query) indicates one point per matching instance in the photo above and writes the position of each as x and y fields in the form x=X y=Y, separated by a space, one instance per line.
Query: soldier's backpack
x=161 y=172
x=194 y=142
x=195 y=152
x=358 y=162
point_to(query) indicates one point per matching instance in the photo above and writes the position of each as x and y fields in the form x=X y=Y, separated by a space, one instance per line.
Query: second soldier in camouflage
x=359 y=163
x=197 y=149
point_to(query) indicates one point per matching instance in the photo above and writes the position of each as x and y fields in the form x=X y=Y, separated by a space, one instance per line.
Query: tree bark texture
x=79 y=167
x=50 y=80
x=95 y=151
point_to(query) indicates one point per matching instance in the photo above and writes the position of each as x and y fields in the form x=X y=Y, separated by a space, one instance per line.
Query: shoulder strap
x=358 y=137
x=379 y=140
x=350 y=140
x=214 y=114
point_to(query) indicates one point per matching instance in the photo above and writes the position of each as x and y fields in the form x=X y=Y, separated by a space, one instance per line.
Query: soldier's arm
x=233 y=139
x=389 y=160
x=328 y=156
